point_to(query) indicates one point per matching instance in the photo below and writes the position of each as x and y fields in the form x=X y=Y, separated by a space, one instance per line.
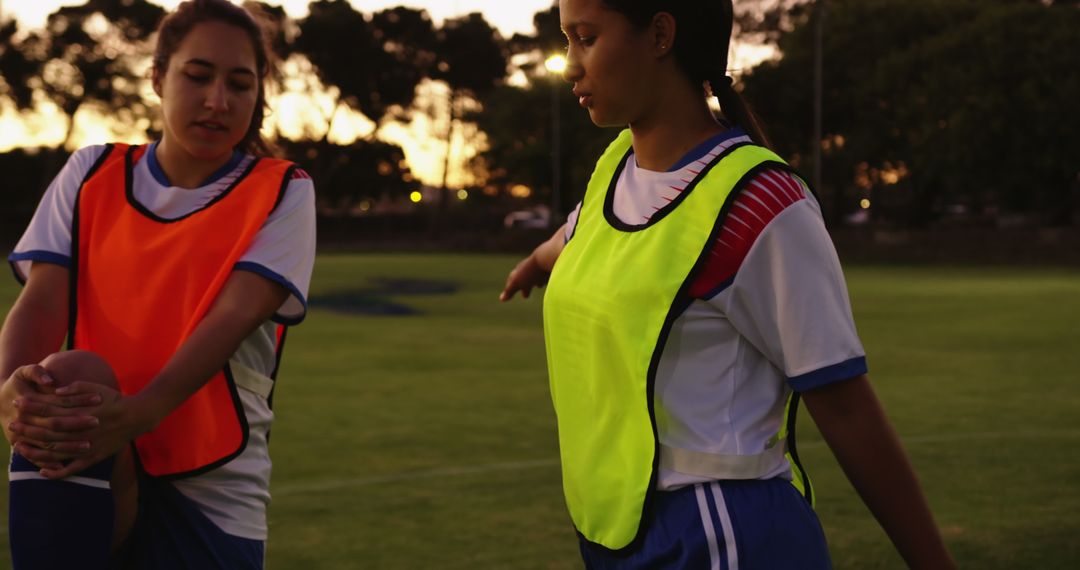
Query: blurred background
x=438 y=124
x=414 y=426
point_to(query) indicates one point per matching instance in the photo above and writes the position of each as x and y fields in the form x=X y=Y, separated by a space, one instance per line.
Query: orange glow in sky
x=299 y=110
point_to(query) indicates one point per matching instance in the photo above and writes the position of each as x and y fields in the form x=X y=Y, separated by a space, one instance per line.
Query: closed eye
x=200 y=78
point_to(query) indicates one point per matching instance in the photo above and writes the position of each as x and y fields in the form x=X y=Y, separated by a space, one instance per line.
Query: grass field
x=428 y=440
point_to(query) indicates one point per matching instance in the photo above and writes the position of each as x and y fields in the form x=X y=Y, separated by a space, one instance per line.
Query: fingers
x=61 y=449
x=84 y=389
x=63 y=422
x=46 y=405
x=45 y=457
x=51 y=405
x=510 y=288
x=34 y=374
x=508 y=292
x=80 y=464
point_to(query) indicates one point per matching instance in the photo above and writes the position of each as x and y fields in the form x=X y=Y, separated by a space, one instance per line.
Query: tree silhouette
x=471 y=60
x=17 y=67
x=88 y=55
x=925 y=103
x=371 y=62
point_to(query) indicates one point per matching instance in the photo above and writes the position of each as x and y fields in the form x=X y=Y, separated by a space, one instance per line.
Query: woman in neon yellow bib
x=694 y=299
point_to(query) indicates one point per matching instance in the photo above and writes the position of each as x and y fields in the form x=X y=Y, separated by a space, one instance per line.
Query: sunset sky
x=296 y=110
x=508 y=15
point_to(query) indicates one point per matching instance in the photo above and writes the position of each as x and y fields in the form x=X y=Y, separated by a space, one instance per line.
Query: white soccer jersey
x=770 y=314
x=236 y=494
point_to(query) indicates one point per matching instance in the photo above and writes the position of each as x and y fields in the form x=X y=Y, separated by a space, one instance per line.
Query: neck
x=184 y=170
x=678 y=120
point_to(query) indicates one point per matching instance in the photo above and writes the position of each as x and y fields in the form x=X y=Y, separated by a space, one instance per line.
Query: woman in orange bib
x=180 y=264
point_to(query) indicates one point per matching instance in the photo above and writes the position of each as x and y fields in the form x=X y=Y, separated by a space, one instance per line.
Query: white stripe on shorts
x=725 y=523
x=31 y=475
x=710 y=531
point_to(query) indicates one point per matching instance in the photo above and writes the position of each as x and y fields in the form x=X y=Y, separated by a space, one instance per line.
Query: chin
x=210 y=152
x=603 y=121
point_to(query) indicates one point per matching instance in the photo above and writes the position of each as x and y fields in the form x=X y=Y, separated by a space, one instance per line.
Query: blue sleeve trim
x=823 y=376
x=36 y=255
x=263 y=271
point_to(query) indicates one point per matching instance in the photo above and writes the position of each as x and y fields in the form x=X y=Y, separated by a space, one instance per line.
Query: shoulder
x=299 y=184
x=297 y=196
x=78 y=166
x=84 y=159
x=763 y=200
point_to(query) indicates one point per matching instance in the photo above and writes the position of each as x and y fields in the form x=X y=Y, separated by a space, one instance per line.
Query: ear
x=155 y=79
x=663 y=32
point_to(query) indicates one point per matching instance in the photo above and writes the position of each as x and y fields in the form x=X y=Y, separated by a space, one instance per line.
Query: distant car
x=538 y=217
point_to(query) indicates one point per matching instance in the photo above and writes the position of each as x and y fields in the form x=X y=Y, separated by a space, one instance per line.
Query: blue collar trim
x=702 y=149
x=159 y=174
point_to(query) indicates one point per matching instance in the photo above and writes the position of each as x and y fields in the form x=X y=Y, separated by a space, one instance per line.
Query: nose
x=574 y=71
x=216 y=96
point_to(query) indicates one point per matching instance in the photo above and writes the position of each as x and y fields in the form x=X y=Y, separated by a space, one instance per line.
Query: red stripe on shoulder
x=299 y=173
x=760 y=201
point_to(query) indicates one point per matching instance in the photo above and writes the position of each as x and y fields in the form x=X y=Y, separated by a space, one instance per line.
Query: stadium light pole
x=556 y=65
x=819 y=32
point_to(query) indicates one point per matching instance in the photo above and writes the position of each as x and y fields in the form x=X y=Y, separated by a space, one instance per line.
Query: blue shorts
x=725 y=525
x=172 y=533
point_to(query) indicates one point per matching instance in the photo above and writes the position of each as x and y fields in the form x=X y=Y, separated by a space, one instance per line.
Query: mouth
x=584 y=98
x=211 y=126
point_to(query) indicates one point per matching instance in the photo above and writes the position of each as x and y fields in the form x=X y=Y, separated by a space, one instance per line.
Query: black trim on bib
x=609 y=197
x=279 y=351
x=793 y=409
x=285 y=180
x=73 y=270
x=679 y=304
x=129 y=190
x=245 y=431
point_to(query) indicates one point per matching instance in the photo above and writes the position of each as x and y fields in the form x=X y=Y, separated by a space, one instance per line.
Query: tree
x=989 y=111
x=375 y=65
x=913 y=87
x=17 y=67
x=470 y=60
x=373 y=62
x=369 y=170
x=88 y=55
x=518 y=124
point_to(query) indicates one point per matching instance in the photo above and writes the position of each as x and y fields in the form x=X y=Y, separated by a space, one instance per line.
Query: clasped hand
x=62 y=430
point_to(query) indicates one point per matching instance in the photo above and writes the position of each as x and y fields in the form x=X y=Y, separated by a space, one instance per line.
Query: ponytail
x=736 y=111
x=732 y=104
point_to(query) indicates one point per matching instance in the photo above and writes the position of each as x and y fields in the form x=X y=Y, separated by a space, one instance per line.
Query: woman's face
x=209 y=90
x=609 y=62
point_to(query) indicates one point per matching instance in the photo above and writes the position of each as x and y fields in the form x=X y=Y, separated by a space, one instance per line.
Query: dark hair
x=176 y=26
x=702 y=37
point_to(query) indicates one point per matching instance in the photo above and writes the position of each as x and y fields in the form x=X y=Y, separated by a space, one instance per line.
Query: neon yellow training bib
x=611 y=301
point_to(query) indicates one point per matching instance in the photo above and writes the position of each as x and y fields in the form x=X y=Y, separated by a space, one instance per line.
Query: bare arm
x=38 y=320
x=246 y=301
x=854 y=425
x=534 y=270
x=35 y=327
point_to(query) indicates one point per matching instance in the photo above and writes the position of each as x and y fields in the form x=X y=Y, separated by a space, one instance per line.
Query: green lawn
x=428 y=441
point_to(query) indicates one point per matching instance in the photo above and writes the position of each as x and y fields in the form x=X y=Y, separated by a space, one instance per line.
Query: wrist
x=144 y=412
x=540 y=261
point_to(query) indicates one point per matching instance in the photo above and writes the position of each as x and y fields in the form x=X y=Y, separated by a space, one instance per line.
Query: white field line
x=319 y=486
x=324 y=485
x=391 y=478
